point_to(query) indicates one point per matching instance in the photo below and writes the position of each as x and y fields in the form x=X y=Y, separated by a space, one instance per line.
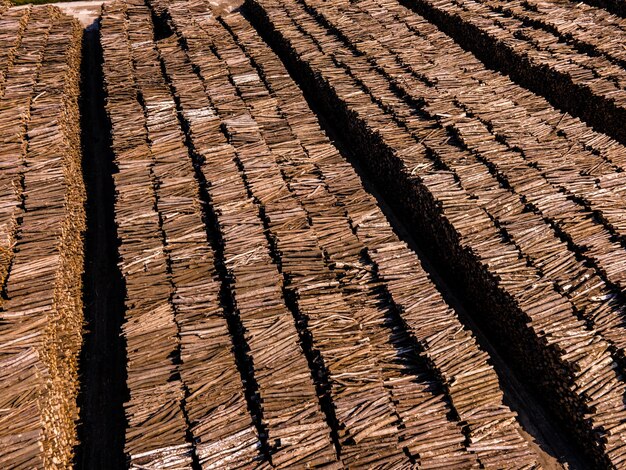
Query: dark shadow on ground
x=103 y=359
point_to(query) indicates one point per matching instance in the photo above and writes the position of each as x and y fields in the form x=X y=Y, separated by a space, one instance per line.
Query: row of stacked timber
x=42 y=222
x=569 y=52
x=520 y=201
x=273 y=317
x=156 y=434
x=617 y=7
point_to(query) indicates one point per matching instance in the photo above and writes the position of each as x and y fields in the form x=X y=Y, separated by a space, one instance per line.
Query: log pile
x=342 y=246
x=476 y=182
x=591 y=53
x=565 y=69
x=347 y=353
x=516 y=163
x=156 y=433
x=598 y=33
x=214 y=405
x=12 y=25
x=273 y=317
x=319 y=301
x=19 y=75
x=42 y=224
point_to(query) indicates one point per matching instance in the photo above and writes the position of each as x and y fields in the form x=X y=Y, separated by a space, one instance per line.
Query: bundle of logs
x=41 y=227
x=317 y=338
x=580 y=69
x=523 y=214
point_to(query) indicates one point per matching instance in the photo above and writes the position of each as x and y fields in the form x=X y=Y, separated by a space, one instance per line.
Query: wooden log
x=156 y=432
x=442 y=188
x=43 y=224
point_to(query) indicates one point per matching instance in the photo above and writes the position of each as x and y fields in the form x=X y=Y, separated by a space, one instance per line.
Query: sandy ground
x=88 y=11
x=85 y=12
x=221 y=7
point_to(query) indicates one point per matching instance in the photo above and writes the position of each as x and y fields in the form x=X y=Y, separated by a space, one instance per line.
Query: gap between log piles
x=103 y=359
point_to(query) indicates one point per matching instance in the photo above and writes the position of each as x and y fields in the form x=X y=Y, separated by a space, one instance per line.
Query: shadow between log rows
x=102 y=368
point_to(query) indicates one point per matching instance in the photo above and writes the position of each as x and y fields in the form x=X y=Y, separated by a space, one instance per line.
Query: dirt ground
x=86 y=12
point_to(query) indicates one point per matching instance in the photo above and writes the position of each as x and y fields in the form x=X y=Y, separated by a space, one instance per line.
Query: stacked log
x=156 y=432
x=570 y=76
x=18 y=74
x=214 y=405
x=481 y=140
x=593 y=49
x=598 y=34
x=299 y=256
x=12 y=25
x=223 y=432
x=380 y=237
x=299 y=207
x=42 y=227
x=443 y=164
x=256 y=291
